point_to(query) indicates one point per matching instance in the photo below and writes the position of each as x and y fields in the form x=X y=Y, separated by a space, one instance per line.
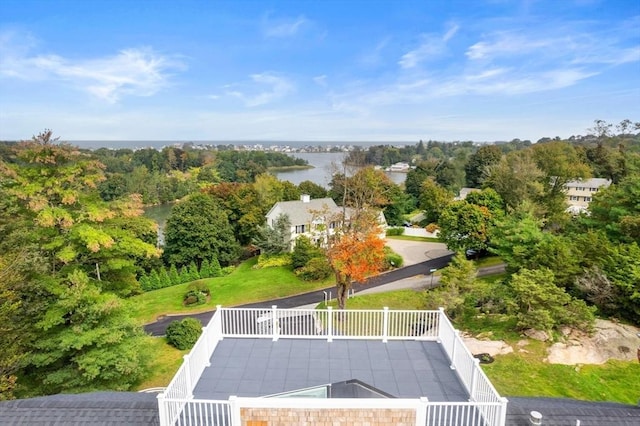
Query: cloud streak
x=131 y=72
x=263 y=89
x=432 y=45
x=284 y=27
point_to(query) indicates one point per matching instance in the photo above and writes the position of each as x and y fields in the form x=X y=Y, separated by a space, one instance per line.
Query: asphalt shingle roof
x=92 y=409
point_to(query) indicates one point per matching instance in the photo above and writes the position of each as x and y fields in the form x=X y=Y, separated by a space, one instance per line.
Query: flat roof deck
x=250 y=367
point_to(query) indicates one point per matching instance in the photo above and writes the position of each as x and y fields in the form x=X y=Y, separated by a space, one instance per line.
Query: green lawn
x=243 y=285
x=165 y=361
x=400 y=299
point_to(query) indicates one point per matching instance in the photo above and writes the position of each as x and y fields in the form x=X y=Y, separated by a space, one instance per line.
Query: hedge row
x=166 y=278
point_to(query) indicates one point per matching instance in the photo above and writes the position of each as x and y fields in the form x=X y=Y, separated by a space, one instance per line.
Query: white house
x=313 y=218
x=580 y=192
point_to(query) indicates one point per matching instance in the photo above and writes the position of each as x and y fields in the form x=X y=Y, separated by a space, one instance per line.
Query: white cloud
x=320 y=80
x=277 y=87
x=432 y=45
x=284 y=27
x=135 y=72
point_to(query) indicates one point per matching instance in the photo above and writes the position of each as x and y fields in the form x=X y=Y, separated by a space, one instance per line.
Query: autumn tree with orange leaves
x=355 y=255
x=356 y=251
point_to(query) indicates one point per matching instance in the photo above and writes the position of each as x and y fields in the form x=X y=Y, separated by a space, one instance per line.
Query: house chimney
x=305 y=198
x=535 y=418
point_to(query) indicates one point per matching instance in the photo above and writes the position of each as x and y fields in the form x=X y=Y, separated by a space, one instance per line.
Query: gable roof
x=299 y=212
x=93 y=409
x=589 y=183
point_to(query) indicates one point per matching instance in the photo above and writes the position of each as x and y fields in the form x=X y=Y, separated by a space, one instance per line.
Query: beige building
x=580 y=193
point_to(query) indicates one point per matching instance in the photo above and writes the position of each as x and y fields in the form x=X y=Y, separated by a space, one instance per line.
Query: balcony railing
x=485 y=406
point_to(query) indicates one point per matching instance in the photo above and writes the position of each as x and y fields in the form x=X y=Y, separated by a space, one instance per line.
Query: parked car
x=473 y=254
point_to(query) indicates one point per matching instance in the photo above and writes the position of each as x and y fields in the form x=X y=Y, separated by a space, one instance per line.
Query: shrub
x=183 y=334
x=394 y=231
x=200 y=286
x=273 y=260
x=316 y=269
x=432 y=227
x=197 y=293
x=303 y=251
x=392 y=259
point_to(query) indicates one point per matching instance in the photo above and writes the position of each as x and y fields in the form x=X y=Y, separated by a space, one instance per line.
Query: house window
x=573 y=198
x=587 y=198
x=593 y=189
x=299 y=229
x=332 y=225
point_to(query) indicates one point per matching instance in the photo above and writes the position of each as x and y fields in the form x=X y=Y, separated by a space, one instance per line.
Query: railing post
x=503 y=411
x=187 y=376
x=162 y=410
x=275 y=329
x=421 y=411
x=329 y=324
x=207 y=342
x=456 y=333
x=236 y=420
x=219 y=312
x=385 y=324
x=440 y=324
x=474 y=379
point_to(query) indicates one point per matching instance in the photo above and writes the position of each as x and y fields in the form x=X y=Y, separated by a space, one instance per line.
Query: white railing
x=171 y=402
x=197 y=412
x=485 y=406
x=329 y=324
x=473 y=378
x=426 y=413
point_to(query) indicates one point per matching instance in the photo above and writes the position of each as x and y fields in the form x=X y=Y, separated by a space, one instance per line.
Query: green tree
x=457 y=282
x=433 y=200
x=87 y=341
x=274 y=239
x=488 y=198
x=478 y=163
x=216 y=270
x=303 y=252
x=244 y=210
x=539 y=304
x=174 y=276
x=198 y=229
x=55 y=186
x=400 y=203
x=517 y=178
x=560 y=164
x=205 y=269
x=193 y=271
x=416 y=176
x=616 y=211
x=312 y=189
x=165 y=280
x=465 y=226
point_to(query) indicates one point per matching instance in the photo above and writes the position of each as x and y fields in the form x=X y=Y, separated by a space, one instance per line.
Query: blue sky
x=326 y=70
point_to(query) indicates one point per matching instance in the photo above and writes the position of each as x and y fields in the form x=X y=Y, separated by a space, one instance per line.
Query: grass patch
x=408 y=238
x=399 y=299
x=526 y=375
x=488 y=261
x=243 y=285
x=165 y=362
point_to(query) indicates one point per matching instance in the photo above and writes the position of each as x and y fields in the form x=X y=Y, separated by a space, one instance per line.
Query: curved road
x=158 y=328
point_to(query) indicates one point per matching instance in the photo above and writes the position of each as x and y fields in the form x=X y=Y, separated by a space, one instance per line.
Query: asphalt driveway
x=414 y=252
